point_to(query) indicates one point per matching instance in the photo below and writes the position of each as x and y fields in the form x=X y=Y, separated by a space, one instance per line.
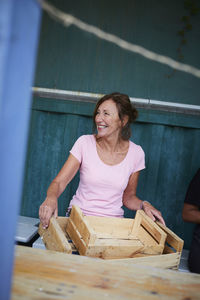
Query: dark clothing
x=193 y=198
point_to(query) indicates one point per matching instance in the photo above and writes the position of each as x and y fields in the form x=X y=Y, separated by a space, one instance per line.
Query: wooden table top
x=44 y=274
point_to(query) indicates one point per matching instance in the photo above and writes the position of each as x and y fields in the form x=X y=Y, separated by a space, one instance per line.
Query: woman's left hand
x=152 y=212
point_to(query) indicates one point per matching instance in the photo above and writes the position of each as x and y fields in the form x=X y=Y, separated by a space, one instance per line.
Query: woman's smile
x=101 y=126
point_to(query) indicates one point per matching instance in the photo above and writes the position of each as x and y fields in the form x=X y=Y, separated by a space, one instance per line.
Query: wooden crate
x=115 y=237
x=119 y=237
x=159 y=248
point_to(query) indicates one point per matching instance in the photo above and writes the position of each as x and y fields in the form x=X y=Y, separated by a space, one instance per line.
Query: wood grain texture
x=115 y=227
x=164 y=261
x=40 y=274
x=76 y=237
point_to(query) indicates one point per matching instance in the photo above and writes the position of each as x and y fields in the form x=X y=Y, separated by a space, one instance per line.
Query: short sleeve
x=77 y=149
x=140 y=159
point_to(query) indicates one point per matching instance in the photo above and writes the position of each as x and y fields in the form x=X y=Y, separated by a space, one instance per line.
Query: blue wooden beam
x=19 y=29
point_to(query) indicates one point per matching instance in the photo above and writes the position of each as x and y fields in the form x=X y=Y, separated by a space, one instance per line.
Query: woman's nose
x=99 y=117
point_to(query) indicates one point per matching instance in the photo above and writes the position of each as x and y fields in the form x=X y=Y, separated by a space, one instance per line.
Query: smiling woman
x=109 y=165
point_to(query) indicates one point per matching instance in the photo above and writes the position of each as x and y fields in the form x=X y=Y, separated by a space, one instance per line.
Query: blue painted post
x=19 y=28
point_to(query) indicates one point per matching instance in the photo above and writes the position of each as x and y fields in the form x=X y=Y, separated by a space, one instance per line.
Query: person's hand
x=152 y=212
x=48 y=209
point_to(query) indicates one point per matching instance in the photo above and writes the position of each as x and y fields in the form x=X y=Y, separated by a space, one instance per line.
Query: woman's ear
x=125 y=120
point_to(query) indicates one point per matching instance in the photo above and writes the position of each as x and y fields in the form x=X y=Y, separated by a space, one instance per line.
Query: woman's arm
x=131 y=201
x=191 y=213
x=50 y=206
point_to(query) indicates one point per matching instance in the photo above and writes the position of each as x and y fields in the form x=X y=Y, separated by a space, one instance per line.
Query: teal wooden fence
x=72 y=59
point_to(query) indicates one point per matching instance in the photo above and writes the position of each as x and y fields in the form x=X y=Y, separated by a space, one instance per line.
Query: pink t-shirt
x=101 y=186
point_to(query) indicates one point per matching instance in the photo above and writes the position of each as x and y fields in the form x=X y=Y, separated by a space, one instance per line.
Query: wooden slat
x=54 y=238
x=76 y=237
x=81 y=224
x=164 y=261
x=146 y=237
x=154 y=232
x=152 y=250
x=172 y=239
x=115 y=227
x=62 y=221
x=114 y=248
x=136 y=225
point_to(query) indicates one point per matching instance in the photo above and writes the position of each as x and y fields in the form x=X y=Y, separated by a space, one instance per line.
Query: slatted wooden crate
x=134 y=241
x=113 y=237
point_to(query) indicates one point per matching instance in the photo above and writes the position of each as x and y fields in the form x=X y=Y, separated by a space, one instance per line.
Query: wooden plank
x=40 y=274
x=119 y=242
x=62 y=221
x=76 y=237
x=154 y=232
x=146 y=237
x=172 y=239
x=82 y=225
x=108 y=227
x=152 y=250
x=136 y=225
x=54 y=238
x=164 y=261
x=114 y=248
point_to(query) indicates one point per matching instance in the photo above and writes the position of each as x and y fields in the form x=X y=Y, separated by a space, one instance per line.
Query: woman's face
x=107 y=119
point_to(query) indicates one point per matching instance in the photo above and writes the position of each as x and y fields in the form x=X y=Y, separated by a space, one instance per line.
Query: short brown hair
x=124 y=107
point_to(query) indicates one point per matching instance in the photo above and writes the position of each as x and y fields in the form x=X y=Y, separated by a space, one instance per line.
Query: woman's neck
x=112 y=145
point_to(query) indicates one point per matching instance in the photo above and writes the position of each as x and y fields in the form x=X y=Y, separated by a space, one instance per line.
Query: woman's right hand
x=48 y=209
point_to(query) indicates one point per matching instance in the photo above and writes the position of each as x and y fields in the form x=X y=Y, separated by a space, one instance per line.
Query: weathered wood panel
x=39 y=274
